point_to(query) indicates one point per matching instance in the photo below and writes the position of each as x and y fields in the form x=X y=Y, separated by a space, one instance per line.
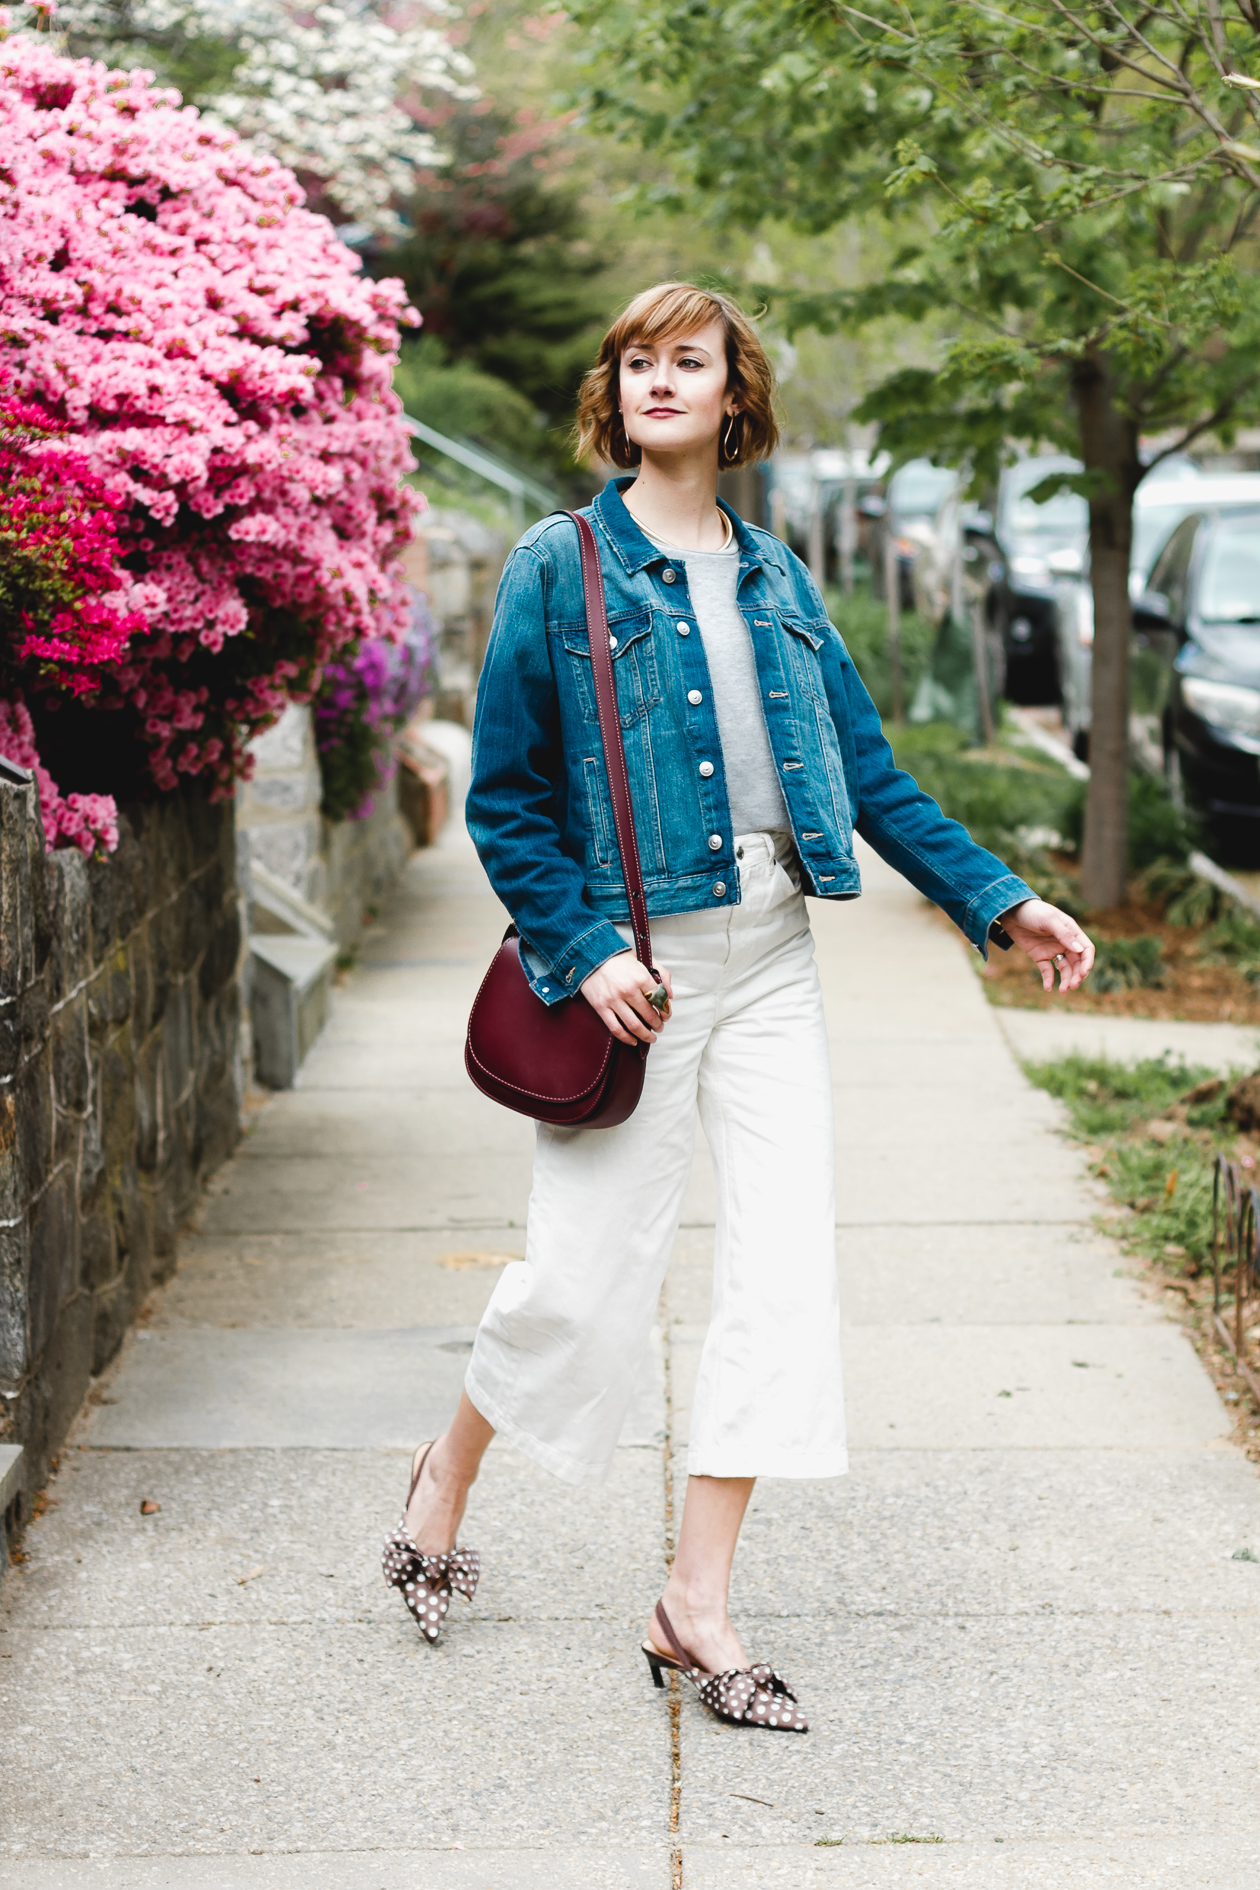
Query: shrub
x=1129 y=964
x=1160 y=834
x=366 y=696
x=67 y=608
x=221 y=361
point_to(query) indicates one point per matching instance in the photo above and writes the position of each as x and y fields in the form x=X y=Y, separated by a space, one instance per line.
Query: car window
x=1151 y=526
x=1168 y=579
x=918 y=489
x=1066 y=512
x=1229 y=588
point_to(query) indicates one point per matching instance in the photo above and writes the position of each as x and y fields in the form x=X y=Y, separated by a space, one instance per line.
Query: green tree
x=500 y=265
x=1077 y=184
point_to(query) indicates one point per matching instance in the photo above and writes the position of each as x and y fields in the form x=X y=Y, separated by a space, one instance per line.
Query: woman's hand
x=617 y=991
x=1049 y=936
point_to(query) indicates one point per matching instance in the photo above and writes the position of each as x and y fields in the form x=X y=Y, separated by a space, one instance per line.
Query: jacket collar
x=636 y=551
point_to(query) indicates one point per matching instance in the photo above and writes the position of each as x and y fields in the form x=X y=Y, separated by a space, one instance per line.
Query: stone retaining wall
x=120 y=1084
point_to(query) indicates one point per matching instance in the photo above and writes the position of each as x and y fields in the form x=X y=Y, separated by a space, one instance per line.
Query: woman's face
x=673 y=393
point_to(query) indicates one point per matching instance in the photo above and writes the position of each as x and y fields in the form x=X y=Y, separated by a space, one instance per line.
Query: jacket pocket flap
x=628 y=631
x=804 y=631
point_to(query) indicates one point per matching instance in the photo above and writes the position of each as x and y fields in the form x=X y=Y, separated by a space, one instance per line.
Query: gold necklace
x=728 y=528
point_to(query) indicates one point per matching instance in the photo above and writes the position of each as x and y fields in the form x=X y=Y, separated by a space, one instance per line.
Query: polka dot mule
x=426 y=1582
x=747 y=1696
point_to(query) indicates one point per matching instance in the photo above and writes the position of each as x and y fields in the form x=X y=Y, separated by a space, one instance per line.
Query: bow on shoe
x=426 y=1581
x=756 y=1696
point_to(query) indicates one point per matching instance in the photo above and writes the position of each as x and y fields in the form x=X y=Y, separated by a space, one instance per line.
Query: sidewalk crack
x=675 y=1689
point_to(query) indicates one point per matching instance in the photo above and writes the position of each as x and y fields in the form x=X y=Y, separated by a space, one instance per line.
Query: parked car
x=1034 y=547
x=1200 y=619
x=807 y=496
x=1161 y=503
x=913 y=498
x=957 y=554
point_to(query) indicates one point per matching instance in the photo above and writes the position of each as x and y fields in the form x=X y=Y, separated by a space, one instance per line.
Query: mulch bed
x=1192 y=992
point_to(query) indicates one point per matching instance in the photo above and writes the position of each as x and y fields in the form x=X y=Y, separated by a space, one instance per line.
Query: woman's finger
x=631 y=1020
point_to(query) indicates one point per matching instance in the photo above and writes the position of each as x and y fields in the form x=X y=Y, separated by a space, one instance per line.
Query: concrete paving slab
x=205 y=1388
x=377 y=1279
x=458 y=1868
x=330 y=1737
x=1012 y=1532
x=1099 y=1728
x=410 y=1128
x=1036 y=1036
x=986 y=1275
x=472 y=1867
x=1213 y=1860
x=927 y=1158
x=1003 y=1387
x=293 y=1194
x=251 y=1536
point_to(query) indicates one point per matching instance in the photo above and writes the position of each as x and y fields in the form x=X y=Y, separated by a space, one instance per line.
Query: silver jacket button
x=715 y=842
x=706 y=769
x=719 y=889
x=684 y=629
x=669 y=575
x=694 y=698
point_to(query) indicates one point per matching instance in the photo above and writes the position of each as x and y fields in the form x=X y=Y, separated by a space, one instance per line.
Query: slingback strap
x=610 y=734
x=687 y=1659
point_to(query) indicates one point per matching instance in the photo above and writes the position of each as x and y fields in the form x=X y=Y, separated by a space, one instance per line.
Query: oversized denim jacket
x=539 y=808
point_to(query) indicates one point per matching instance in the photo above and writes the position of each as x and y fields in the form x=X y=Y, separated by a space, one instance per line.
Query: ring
x=1060 y=960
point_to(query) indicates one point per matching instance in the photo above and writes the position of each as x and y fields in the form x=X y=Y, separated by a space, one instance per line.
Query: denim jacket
x=539 y=809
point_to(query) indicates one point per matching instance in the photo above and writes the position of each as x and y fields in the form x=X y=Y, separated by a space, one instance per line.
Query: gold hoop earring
x=728 y=453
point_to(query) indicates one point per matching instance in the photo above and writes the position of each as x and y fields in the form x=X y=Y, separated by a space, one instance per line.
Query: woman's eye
x=690 y=361
x=638 y=361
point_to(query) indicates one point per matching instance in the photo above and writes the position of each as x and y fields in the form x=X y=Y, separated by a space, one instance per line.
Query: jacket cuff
x=989 y=905
x=583 y=955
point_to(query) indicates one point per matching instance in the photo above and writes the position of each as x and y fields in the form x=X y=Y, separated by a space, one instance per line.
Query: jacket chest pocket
x=803 y=646
x=634 y=670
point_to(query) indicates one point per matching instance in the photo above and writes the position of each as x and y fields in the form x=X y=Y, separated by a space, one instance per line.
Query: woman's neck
x=678 y=502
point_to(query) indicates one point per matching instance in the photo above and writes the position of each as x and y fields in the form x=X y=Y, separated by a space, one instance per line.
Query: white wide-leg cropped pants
x=567 y=1328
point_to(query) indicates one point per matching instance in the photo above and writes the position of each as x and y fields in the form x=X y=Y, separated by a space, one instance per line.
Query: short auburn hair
x=669 y=312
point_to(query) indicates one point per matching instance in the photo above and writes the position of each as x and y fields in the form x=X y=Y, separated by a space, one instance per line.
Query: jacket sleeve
x=515 y=807
x=907 y=828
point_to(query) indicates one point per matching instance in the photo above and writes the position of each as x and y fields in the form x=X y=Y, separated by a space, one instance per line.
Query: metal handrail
x=519 y=486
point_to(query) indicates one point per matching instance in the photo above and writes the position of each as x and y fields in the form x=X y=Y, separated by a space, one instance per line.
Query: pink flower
x=224 y=369
x=87 y=821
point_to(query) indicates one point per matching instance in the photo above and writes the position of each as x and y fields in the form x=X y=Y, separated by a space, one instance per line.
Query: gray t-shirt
x=752 y=781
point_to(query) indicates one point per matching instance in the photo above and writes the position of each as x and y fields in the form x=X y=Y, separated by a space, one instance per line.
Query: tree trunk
x=1109 y=450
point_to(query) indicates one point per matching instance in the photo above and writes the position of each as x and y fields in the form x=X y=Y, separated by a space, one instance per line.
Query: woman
x=754 y=753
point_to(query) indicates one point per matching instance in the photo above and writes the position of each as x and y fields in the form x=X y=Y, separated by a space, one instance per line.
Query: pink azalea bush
x=87 y=821
x=222 y=365
x=67 y=607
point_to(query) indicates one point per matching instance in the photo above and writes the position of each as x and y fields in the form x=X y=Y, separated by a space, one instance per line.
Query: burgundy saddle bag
x=559 y=1062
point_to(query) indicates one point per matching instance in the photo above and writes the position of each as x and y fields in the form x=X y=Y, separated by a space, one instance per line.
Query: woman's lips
x=662 y=413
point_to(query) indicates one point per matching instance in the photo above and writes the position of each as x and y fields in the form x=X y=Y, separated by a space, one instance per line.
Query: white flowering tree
x=332 y=91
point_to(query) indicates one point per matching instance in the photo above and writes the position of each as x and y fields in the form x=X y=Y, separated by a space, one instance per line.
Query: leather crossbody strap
x=597 y=636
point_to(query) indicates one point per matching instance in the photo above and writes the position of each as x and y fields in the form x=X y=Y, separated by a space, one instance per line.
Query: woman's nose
x=662 y=387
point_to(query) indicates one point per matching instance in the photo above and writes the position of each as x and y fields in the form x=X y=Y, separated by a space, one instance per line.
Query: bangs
x=671 y=312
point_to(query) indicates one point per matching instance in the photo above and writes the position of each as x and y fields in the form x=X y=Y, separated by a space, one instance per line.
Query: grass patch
x=1155 y=1127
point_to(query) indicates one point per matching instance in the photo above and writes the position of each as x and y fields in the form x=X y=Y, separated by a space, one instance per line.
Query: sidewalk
x=1017 y=1627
